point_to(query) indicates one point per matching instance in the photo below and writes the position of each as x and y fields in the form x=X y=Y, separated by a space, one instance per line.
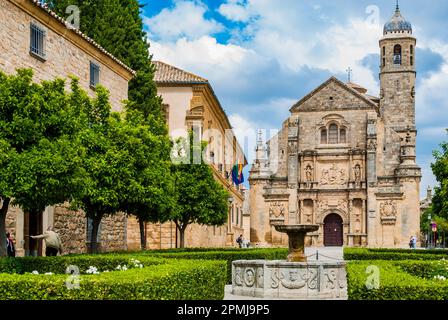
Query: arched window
x=333 y=134
x=342 y=136
x=397 y=54
x=412 y=55
x=323 y=136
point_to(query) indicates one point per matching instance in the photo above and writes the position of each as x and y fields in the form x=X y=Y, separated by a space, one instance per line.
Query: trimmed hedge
x=59 y=264
x=228 y=255
x=399 y=280
x=160 y=279
x=393 y=254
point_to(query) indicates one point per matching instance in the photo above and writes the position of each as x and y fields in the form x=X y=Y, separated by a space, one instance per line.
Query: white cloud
x=235 y=10
x=186 y=19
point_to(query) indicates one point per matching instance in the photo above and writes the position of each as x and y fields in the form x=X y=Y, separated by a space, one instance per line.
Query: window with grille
x=333 y=134
x=343 y=136
x=323 y=136
x=37 y=41
x=94 y=74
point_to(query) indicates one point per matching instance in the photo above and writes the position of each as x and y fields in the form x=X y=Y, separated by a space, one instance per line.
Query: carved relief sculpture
x=388 y=209
x=333 y=176
x=309 y=173
x=357 y=171
x=277 y=210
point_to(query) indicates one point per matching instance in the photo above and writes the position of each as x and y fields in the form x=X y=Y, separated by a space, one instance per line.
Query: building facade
x=190 y=104
x=32 y=36
x=346 y=160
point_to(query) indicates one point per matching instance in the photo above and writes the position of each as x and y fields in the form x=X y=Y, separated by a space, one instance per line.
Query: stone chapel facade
x=346 y=160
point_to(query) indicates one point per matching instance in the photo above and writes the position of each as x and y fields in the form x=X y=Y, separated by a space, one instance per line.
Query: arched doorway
x=333 y=231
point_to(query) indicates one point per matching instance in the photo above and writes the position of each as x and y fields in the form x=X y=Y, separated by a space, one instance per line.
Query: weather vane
x=349 y=73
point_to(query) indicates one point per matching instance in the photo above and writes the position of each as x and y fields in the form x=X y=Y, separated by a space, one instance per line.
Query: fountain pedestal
x=296 y=235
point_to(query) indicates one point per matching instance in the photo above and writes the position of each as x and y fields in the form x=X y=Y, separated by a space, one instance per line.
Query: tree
x=149 y=195
x=39 y=154
x=440 y=170
x=199 y=197
x=118 y=27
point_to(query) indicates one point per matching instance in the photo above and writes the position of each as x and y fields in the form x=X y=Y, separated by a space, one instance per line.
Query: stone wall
x=64 y=57
x=72 y=227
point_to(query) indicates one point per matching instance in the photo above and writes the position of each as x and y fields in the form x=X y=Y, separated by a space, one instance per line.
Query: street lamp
x=429 y=231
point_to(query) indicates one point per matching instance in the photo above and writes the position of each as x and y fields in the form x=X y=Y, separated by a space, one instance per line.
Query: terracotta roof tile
x=166 y=73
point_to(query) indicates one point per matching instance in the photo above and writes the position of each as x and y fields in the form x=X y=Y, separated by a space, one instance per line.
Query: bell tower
x=398 y=73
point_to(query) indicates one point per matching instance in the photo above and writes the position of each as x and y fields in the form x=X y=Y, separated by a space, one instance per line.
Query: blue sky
x=261 y=56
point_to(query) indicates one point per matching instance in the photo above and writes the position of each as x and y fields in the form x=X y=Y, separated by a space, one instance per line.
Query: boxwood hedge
x=398 y=280
x=393 y=254
x=159 y=279
x=229 y=255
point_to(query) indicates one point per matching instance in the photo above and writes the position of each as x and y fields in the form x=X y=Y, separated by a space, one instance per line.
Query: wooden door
x=333 y=231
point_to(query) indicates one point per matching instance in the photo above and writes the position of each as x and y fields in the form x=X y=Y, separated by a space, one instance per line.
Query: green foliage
x=440 y=170
x=398 y=280
x=118 y=27
x=158 y=280
x=200 y=198
x=40 y=156
x=393 y=254
x=228 y=255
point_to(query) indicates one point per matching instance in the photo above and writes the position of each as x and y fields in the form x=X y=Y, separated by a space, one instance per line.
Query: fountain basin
x=296 y=235
x=289 y=280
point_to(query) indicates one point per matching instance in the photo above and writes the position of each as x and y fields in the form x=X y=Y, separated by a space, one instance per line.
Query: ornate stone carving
x=309 y=173
x=249 y=277
x=292 y=147
x=277 y=210
x=388 y=209
x=333 y=176
x=290 y=279
x=371 y=145
x=260 y=278
x=238 y=277
x=357 y=171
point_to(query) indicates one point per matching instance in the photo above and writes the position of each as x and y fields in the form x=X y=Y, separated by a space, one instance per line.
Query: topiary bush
x=398 y=280
x=393 y=254
x=159 y=279
x=228 y=255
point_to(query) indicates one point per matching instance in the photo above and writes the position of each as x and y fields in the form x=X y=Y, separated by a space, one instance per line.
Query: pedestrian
x=414 y=242
x=239 y=240
x=411 y=242
x=52 y=242
x=10 y=248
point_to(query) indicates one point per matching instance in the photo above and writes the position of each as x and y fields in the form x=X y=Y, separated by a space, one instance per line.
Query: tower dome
x=397 y=24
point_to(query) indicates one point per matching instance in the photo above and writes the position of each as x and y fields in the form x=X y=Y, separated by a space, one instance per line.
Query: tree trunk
x=142 y=234
x=181 y=234
x=3 y=212
x=95 y=226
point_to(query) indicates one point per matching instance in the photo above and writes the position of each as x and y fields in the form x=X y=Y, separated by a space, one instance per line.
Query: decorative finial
x=398 y=7
x=349 y=74
x=260 y=138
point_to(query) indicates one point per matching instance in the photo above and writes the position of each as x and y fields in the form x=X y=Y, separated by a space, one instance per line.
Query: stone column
x=20 y=240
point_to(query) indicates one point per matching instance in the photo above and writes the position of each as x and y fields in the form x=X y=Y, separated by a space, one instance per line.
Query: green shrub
x=59 y=264
x=392 y=254
x=160 y=279
x=228 y=255
x=399 y=280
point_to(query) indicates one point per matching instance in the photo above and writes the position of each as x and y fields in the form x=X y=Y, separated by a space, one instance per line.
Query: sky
x=262 y=56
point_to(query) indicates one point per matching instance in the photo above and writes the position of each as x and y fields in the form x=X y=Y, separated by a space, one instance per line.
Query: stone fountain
x=296 y=278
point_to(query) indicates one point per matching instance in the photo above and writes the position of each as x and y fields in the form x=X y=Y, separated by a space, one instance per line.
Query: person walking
x=52 y=242
x=239 y=240
x=10 y=248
